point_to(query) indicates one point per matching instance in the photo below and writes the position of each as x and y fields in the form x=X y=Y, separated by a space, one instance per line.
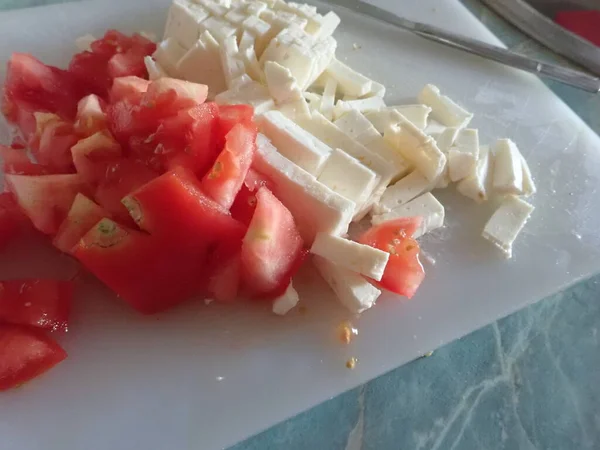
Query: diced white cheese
x=377 y=90
x=260 y=30
x=358 y=127
x=417 y=114
x=475 y=186
x=167 y=54
x=293 y=142
x=352 y=290
x=446 y=139
x=295 y=110
x=443 y=109
x=403 y=191
x=528 y=183
x=246 y=40
x=362 y=105
x=349 y=81
x=216 y=9
x=256 y=8
x=286 y=302
x=252 y=93
x=153 y=68
x=324 y=51
x=282 y=20
x=328 y=98
x=426 y=206
x=236 y=83
x=507 y=222
x=248 y=56
x=323 y=26
x=464 y=153
x=83 y=43
x=315 y=207
x=359 y=258
x=233 y=66
x=236 y=16
x=281 y=83
x=417 y=148
x=508 y=168
x=434 y=129
x=219 y=28
x=348 y=177
x=202 y=64
x=297 y=58
x=183 y=22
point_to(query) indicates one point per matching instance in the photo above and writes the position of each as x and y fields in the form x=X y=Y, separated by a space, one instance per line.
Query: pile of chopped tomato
x=150 y=188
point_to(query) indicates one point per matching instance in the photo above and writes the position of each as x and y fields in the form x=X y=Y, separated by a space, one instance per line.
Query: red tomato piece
x=56 y=140
x=271 y=248
x=114 y=42
x=245 y=202
x=11 y=218
x=130 y=63
x=128 y=86
x=25 y=353
x=174 y=208
x=225 y=179
x=231 y=115
x=93 y=155
x=16 y=161
x=138 y=267
x=82 y=217
x=187 y=94
x=91 y=71
x=585 y=23
x=91 y=117
x=224 y=283
x=122 y=177
x=45 y=199
x=404 y=272
x=39 y=303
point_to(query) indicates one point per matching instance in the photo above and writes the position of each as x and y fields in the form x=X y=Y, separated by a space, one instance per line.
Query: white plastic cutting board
x=204 y=377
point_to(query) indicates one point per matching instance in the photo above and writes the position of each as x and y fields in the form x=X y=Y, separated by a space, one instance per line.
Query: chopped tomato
x=271 y=248
x=186 y=93
x=125 y=87
x=114 y=42
x=245 y=202
x=231 y=115
x=224 y=283
x=174 y=208
x=54 y=150
x=45 y=199
x=25 y=353
x=140 y=268
x=91 y=117
x=585 y=23
x=122 y=177
x=226 y=177
x=11 y=218
x=91 y=71
x=82 y=216
x=93 y=155
x=16 y=161
x=130 y=63
x=404 y=272
x=39 y=303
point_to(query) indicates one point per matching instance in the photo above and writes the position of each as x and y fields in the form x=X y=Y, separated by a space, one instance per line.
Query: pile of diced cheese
x=335 y=151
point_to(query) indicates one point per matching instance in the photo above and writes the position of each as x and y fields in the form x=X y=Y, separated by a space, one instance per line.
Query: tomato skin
x=82 y=216
x=128 y=86
x=25 y=353
x=230 y=116
x=11 y=218
x=245 y=202
x=38 y=303
x=140 y=268
x=91 y=70
x=271 y=247
x=404 y=273
x=226 y=177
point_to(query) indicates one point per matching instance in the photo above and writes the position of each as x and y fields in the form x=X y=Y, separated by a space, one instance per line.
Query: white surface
x=151 y=383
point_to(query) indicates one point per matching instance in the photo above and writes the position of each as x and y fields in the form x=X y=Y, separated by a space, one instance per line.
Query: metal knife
x=556 y=72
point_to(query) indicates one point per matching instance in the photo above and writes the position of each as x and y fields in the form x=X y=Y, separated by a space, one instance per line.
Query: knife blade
x=556 y=72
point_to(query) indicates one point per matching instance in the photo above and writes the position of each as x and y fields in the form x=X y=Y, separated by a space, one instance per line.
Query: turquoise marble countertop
x=529 y=381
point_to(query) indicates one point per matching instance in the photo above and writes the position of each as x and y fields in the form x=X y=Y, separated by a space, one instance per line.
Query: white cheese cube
x=315 y=207
x=349 y=81
x=528 y=183
x=295 y=110
x=216 y=9
x=298 y=59
x=236 y=83
x=361 y=105
x=443 y=109
x=416 y=114
x=261 y=31
x=236 y=16
x=295 y=143
x=425 y=206
x=324 y=51
x=348 y=177
x=281 y=83
x=252 y=93
x=233 y=66
x=359 y=258
x=256 y=8
x=377 y=90
x=167 y=54
x=246 y=40
x=507 y=222
x=508 y=168
x=417 y=148
x=475 y=186
x=248 y=56
x=219 y=28
x=323 y=26
x=446 y=139
x=83 y=43
x=328 y=98
x=464 y=153
x=286 y=302
x=202 y=64
x=403 y=191
x=155 y=71
x=183 y=22
x=434 y=129
x=351 y=289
